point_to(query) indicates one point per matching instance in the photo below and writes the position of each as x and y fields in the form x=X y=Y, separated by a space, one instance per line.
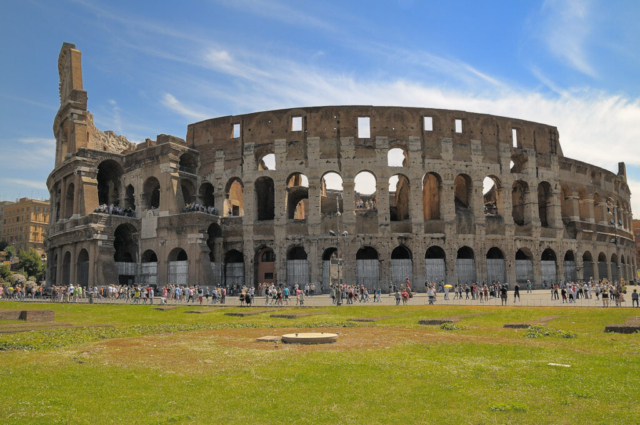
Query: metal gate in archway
x=127 y=272
x=570 y=271
x=466 y=270
x=602 y=270
x=367 y=274
x=587 y=270
x=549 y=276
x=400 y=270
x=178 y=272
x=615 y=272
x=234 y=274
x=524 y=271
x=297 y=272
x=435 y=270
x=496 y=270
x=148 y=273
x=217 y=269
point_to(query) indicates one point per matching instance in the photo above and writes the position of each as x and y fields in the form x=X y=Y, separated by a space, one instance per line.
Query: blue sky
x=154 y=67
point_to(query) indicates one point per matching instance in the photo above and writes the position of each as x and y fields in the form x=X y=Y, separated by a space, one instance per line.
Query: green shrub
x=449 y=326
x=537 y=331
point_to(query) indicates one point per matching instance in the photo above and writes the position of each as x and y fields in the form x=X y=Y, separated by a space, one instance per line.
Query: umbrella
x=448 y=286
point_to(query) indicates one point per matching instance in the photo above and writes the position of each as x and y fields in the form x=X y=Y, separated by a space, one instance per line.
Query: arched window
x=462 y=188
x=267 y=162
x=399 y=194
x=130 y=199
x=234 y=198
x=125 y=243
x=265 y=199
x=109 y=174
x=331 y=194
x=544 y=204
x=188 y=163
x=397 y=157
x=519 y=199
x=69 y=201
x=151 y=193
x=297 y=196
x=491 y=194
x=431 y=187
x=188 y=191
x=214 y=233
x=207 y=197
x=365 y=191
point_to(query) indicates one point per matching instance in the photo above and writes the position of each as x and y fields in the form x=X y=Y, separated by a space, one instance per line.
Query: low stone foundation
x=28 y=315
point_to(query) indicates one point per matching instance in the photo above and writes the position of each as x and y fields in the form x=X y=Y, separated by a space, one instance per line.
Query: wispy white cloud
x=634 y=187
x=565 y=30
x=48 y=142
x=32 y=184
x=175 y=105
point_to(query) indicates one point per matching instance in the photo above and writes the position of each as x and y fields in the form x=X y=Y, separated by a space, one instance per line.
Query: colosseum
x=364 y=194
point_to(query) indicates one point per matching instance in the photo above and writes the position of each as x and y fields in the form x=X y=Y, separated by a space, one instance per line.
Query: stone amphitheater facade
x=280 y=218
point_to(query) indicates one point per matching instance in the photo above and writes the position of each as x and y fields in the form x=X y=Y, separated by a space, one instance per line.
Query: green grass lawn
x=172 y=367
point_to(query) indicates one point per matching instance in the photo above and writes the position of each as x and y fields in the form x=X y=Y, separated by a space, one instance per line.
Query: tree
x=11 y=251
x=30 y=262
x=5 y=272
x=3 y=245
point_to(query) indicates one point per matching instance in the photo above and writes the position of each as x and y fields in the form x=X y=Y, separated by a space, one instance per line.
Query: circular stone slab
x=310 y=338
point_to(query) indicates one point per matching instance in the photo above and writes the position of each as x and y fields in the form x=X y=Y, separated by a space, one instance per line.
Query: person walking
x=397 y=297
x=503 y=294
x=431 y=293
x=516 y=292
x=634 y=298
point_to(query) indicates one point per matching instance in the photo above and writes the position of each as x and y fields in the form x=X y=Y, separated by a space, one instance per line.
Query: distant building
x=2 y=205
x=25 y=224
x=636 y=233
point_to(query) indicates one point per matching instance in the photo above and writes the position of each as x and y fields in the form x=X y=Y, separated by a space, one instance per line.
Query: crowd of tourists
x=115 y=210
x=369 y=204
x=195 y=207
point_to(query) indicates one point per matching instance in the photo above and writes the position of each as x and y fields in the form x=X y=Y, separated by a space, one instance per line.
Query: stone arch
x=214 y=237
x=265 y=265
x=149 y=256
x=151 y=193
x=234 y=268
x=129 y=198
x=206 y=193
x=584 y=210
x=331 y=192
x=431 y=195
x=435 y=265
x=463 y=192
x=519 y=201
x=109 y=175
x=615 y=271
x=399 y=198
x=265 y=199
x=524 y=265
x=331 y=268
x=297 y=266
x=496 y=268
x=234 y=198
x=188 y=191
x=367 y=272
x=125 y=243
x=544 y=203
x=397 y=157
x=402 y=266
x=68 y=212
x=570 y=267
x=566 y=203
x=66 y=268
x=267 y=162
x=297 y=201
x=549 y=265
x=365 y=191
x=82 y=268
x=492 y=196
x=188 y=163
x=178 y=254
x=587 y=266
x=466 y=265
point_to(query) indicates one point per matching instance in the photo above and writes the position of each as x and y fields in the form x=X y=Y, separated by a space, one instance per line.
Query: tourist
x=405 y=297
x=398 y=297
x=516 y=292
x=466 y=290
x=605 y=298
x=431 y=293
x=529 y=291
x=301 y=299
x=503 y=294
x=634 y=298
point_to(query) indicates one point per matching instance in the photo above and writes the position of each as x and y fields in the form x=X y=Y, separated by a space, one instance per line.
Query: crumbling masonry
x=284 y=188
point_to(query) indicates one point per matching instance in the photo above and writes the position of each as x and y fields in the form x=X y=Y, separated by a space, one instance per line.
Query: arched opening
x=129 y=198
x=188 y=163
x=524 y=266
x=615 y=271
x=297 y=196
x=151 y=193
x=402 y=266
x=584 y=205
x=82 y=271
x=126 y=246
x=365 y=192
x=207 y=197
x=266 y=266
x=566 y=203
x=367 y=273
x=496 y=269
x=178 y=267
x=466 y=266
x=265 y=198
x=331 y=194
x=623 y=269
x=587 y=266
x=399 y=198
x=397 y=157
x=66 y=268
x=297 y=267
x=109 y=174
x=234 y=268
x=234 y=198
x=491 y=193
x=331 y=268
x=519 y=199
x=569 y=267
x=462 y=189
x=434 y=265
x=149 y=268
x=188 y=192
x=549 y=267
x=431 y=189
x=214 y=241
x=544 y=204
x=598 y=208
x=603 y=272
x=267 y=162
x=69 y=201
x=518 y=163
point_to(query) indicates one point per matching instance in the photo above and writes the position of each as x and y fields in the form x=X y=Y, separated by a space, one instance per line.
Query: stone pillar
x=382 y=195
x=73 y=267
x=59 y=274
x=77 y=183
